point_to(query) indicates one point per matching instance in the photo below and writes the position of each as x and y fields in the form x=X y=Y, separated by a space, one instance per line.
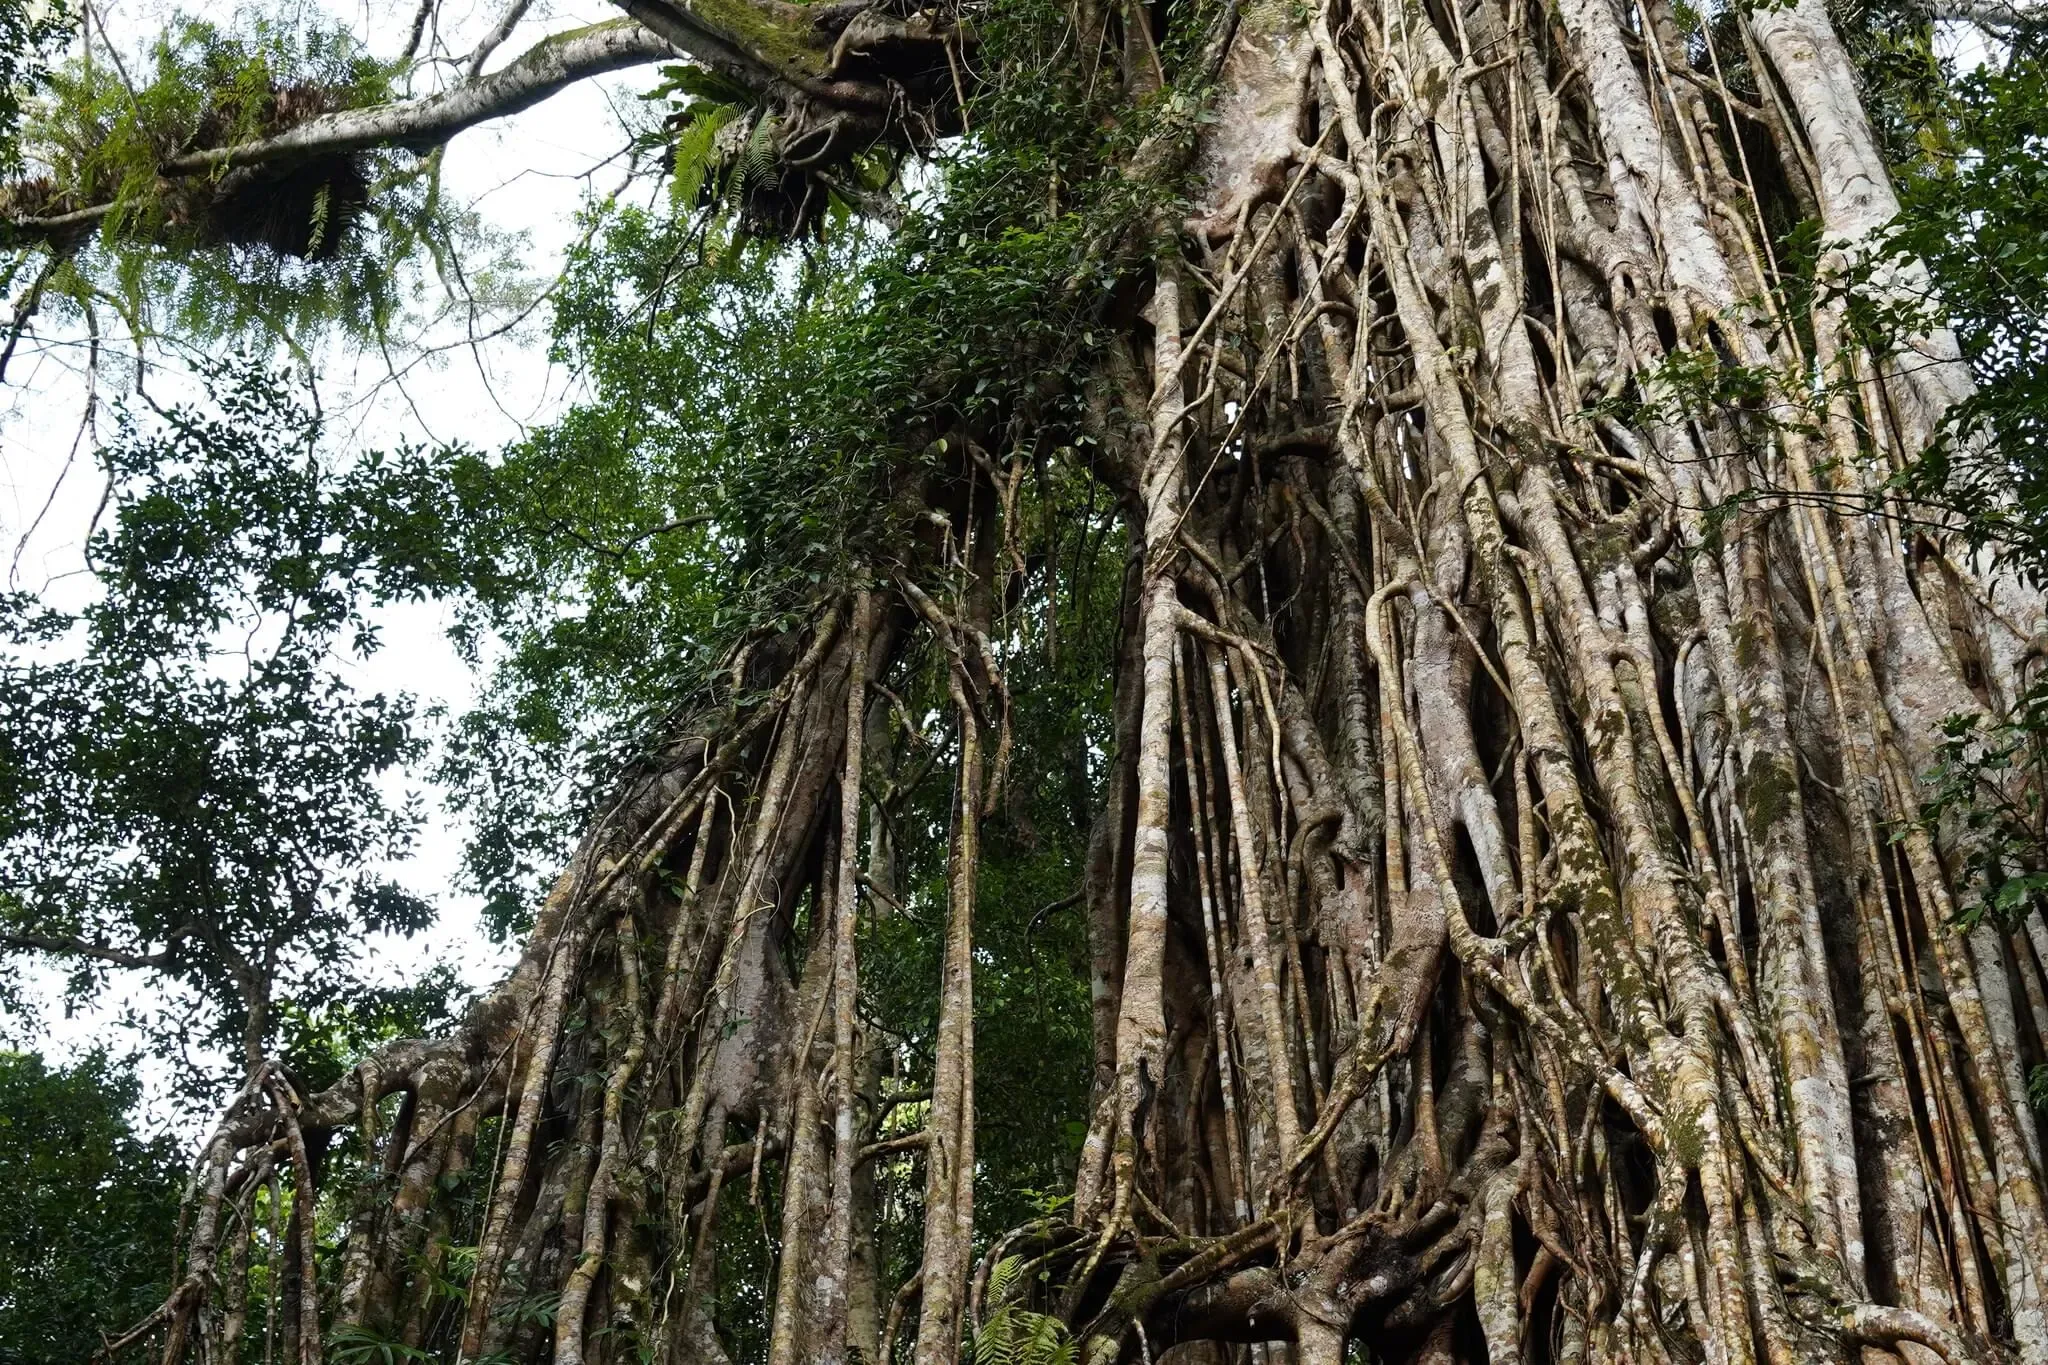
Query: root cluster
x=1512 y=936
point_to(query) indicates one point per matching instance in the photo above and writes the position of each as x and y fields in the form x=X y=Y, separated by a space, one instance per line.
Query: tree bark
x=1512 y=936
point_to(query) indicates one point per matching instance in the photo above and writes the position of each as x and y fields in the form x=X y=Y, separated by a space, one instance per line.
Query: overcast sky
x=530 y=174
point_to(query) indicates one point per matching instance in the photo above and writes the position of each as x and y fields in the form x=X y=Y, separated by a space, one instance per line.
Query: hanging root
x=1512 y=935
x=1423 y=587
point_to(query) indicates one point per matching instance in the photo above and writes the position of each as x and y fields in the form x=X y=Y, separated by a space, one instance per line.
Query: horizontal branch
x=64 y=945
x=909 y=1142
x=770 y=42
x=550 y=66
x=769 y=46
x=2000 y=15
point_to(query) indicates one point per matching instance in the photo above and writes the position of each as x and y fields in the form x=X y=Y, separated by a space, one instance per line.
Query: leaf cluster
x=92 y=1207
x=1979 y=222
x=1013 y=1334
x=188 y=772
x=1986 y=786
x=30 y=35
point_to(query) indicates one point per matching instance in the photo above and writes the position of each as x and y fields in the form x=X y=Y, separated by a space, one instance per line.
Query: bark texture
x=1512 y=940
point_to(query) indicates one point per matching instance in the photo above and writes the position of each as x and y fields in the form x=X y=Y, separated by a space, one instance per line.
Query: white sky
x=528 y=173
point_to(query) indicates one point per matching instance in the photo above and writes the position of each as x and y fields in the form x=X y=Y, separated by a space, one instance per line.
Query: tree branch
x=64 y=945
x=844 y=57
x=767 y=42
x=2002 y=15
x=909 y=1142
x=550 y=66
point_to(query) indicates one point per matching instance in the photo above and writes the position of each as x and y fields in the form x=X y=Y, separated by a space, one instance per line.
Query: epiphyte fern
x=756 y=166
x=696 y=151
x=1014 y=1335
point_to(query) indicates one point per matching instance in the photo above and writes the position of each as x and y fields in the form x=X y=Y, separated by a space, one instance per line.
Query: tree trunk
x=1512 y=940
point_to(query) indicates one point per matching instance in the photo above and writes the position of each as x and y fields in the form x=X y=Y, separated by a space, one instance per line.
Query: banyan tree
x=1510 y=927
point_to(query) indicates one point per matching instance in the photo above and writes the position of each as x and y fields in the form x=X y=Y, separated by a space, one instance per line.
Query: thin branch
x=65 y=945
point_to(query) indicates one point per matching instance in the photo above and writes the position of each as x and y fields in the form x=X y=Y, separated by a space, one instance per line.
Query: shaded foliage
x=30 y=34
x=1978 y=218
x=92 y=1207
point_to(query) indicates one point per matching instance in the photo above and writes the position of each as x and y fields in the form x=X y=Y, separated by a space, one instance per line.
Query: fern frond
x=995 y=1343
x=1016 y=1336
x=1003 y=1278
x=757 y=163
x=696 y=151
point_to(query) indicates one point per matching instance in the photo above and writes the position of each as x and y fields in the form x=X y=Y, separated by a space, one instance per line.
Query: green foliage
x=320 y=1035
x=695 y=147
x=30 y=33
x=1988 y=788
x=752 y=411
x=1013 y=1335
x=103 y=135
x=184 y=769
x=354 y=1345
x=1979 y=220
x=1905 y=82
x=282 y=255
x=744 y=1294
x=1974 y=210
x=1703 y=385
x=92 y=1208
x=702 y=103
x=683 y=504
